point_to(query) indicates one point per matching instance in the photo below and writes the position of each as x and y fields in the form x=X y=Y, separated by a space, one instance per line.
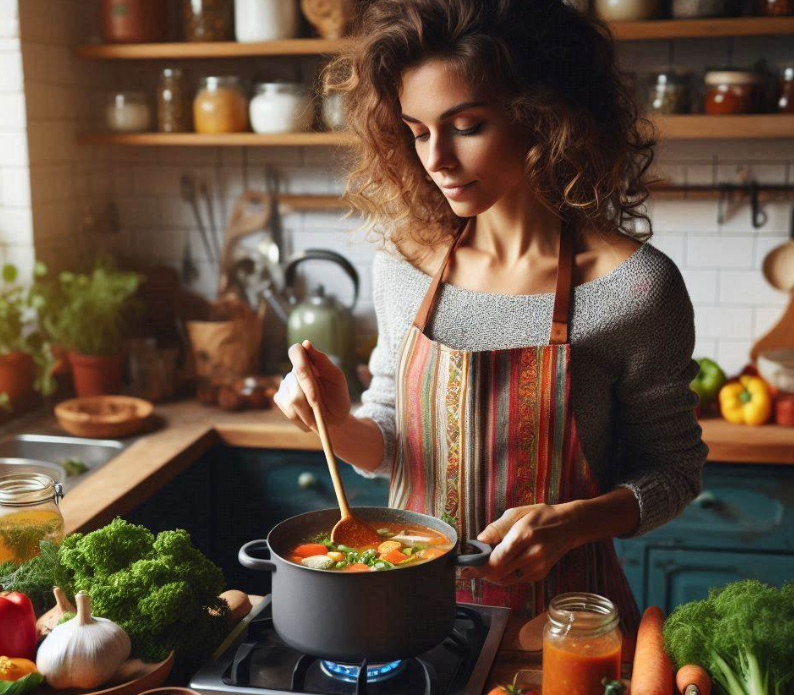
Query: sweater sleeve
x=662 y=449
x=378 y=401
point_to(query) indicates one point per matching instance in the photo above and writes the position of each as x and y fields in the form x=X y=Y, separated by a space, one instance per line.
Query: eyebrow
x=449 y=112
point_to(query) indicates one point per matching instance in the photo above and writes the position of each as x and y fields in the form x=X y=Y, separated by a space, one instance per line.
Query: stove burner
x=375 y=672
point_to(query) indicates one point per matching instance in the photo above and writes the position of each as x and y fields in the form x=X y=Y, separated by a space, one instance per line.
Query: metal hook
x=723 y=189
x=759 y=216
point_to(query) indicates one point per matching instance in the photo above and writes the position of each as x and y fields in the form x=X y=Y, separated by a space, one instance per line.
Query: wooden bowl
x=103 y=416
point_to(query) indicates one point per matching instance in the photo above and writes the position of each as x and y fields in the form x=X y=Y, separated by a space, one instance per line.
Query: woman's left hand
x=528 y=542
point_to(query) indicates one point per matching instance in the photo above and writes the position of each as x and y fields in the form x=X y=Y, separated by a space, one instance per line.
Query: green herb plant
x=742 y=634
x=88 y=314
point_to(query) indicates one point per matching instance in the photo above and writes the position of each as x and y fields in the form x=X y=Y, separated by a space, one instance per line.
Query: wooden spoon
x=349 y=530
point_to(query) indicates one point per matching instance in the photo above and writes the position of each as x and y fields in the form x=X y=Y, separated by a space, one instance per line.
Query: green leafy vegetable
x=742 y=634
x=23 y=685
x=74 y=466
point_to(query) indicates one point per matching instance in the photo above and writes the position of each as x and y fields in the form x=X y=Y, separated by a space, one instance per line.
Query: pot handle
x=255 y=563
x=477 y=559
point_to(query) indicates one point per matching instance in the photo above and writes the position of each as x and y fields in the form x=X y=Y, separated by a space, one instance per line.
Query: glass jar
x=694 y=9
x=265 y=20
x=774 y=8
x=581 y=644
x=29 y=513
x=333 y=112
x=173 y=102
x=669 y=93
x=785 y=98
x=732 y=91
x=627 y=10
x=281 y=107
x=220 y=106
x=128 y=112
x=134 y=21
x=207 y=20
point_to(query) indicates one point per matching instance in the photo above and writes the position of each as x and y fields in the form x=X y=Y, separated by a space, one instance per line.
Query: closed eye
x=467 y=132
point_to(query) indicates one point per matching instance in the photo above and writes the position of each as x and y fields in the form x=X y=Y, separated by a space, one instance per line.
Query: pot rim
x=452 y=534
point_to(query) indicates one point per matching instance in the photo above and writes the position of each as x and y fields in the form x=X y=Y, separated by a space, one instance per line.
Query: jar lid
x=173 y=72
x=215 y=81
x=732 y=76
x=120 y=98
x=280 y=88
x=20 y=489
x=672 y=77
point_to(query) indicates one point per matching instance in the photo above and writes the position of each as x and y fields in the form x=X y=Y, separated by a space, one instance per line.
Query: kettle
x=320 y=318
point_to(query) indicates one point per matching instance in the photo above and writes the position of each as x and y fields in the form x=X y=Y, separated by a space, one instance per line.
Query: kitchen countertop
x=182 y=431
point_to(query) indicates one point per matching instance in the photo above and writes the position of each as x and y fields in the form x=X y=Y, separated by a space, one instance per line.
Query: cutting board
x=780 y=336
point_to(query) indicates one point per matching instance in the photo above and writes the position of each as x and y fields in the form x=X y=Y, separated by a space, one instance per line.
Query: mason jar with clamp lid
x=29 y=514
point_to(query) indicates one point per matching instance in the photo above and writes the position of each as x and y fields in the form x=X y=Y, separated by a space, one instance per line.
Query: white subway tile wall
x=49 y=185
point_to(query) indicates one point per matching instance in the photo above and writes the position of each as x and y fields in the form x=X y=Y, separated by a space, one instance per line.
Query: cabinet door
x=680 y=576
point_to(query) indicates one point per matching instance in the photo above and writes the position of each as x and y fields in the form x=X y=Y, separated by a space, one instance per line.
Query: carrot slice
x=652 y=672
x=692 y=674
x=430 y=553
x=357 y=567
x=309 y=549
x=394 y=556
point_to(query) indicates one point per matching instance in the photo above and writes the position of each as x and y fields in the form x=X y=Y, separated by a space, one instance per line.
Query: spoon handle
x=333 y=466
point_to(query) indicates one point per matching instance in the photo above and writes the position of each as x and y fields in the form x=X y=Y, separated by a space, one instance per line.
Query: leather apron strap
x=562 y=294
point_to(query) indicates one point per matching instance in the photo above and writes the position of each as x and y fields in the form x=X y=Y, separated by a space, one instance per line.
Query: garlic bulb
x=83 y=652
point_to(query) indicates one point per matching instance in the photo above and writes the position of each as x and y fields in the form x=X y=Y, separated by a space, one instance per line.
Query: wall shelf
x=739 y=127
x=659 y=29
x=223 y=140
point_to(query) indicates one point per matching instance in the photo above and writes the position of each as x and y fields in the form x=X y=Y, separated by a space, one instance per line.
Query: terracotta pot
x=95 y=375
x=17 y=373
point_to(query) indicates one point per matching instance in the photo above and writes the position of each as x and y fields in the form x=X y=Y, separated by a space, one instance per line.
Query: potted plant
x=25 y=357
x=87 y=316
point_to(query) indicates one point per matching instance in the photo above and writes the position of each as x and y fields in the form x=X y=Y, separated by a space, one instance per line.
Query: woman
x=531 y=377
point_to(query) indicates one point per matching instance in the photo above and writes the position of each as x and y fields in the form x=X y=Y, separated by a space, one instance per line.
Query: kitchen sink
x=39 y=452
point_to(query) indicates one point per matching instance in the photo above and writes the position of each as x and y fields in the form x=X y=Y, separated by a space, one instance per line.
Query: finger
x=323 y=365
x=289 y=411
x=302 y=367
x=297 y=399
x=529 y=561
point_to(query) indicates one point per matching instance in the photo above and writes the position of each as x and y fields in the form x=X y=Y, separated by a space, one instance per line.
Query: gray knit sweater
x=632 y=336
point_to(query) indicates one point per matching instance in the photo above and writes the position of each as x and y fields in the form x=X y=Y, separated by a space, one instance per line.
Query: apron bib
x=480 y=432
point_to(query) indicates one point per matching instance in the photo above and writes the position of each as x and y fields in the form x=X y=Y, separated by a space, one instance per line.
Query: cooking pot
x=350 y=616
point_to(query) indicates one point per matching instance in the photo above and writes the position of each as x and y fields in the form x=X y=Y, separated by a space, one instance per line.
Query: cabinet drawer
x=740 y=507
x=680 y=576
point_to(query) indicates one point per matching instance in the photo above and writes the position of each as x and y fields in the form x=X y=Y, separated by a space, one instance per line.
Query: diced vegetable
x=310 y=549
x=357 y=567
x=384 y=532
x=407 y=539
x=388 y=546
x=431 y=553
x=318 y=562
x=394 y=556
x=336 y=556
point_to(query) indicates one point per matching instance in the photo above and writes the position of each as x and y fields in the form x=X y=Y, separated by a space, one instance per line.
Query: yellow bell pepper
x=746 y=402
x=14 y=669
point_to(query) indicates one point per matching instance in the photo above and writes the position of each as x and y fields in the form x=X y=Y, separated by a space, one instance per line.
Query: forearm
x=358 y=441
x=615 y=513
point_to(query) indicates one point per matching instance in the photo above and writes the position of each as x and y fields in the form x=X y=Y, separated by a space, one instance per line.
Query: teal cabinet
x=740 y=526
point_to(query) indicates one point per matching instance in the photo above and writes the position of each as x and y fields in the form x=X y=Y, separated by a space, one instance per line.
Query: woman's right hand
x=314 y=380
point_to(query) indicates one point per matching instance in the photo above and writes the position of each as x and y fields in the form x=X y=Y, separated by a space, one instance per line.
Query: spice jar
x=207 y=20
x=694 y=9
x=627 y=10
x=581 y=644
x=173 y=102
x=220 y=106
x=29 y=513
x=732 y=91
x=281 y=107
x=669 y=93
x=265 y=20
x=774 y=8
x=128 y=112
x=133 y=21
x=785 y=97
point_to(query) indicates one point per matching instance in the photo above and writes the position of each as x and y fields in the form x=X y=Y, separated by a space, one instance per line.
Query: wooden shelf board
x=222 y=140
x=698 y=126
x=702 y=28
x=218 y=49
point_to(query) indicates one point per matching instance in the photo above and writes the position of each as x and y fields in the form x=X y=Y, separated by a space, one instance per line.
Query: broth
x=400 y=546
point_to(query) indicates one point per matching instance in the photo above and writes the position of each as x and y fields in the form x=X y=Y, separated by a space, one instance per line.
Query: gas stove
x=259 y=663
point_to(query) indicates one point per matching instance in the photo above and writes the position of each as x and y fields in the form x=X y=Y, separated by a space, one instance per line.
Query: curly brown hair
x=558 y=76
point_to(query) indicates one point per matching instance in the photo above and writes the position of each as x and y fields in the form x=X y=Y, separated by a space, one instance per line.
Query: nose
x=440 y=154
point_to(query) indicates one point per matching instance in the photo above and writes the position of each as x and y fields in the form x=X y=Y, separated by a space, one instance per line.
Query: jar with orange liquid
x=581 y=645
x=29 y=514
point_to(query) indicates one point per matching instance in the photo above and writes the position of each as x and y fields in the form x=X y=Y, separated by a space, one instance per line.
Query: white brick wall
x=720 y=262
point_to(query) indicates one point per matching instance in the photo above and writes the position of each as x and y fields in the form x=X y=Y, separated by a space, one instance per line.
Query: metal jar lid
x=728 y=76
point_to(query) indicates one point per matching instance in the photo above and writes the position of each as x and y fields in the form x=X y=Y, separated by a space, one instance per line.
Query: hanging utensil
x=213 y=228
x=188 y=188
x=778 y=264
x=269 y=246
x=188 y=268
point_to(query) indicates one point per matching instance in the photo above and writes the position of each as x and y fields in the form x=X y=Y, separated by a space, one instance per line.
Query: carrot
x=652 y=672
x=309 y=549
x=357 y=567
x=394 y=556
x=693 y=680
x=431 y=553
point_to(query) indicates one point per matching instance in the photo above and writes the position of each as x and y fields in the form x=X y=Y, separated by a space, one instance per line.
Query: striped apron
x=480 y=432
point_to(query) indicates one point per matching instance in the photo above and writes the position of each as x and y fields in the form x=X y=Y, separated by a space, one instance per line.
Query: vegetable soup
x=399 y=546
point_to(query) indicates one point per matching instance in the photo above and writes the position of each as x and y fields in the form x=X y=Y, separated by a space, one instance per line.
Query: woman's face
x=468 y=145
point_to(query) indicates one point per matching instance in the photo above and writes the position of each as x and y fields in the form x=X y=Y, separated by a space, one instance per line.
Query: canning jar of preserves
x=668 y=93
x=220 y=106
x=173 y=102
x=207 y=20
x=29 y=514
x=581 y=644
x=732 y=91
x=785 y=96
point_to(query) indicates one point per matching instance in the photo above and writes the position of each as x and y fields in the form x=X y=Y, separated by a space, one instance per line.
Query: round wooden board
x=132 y=678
